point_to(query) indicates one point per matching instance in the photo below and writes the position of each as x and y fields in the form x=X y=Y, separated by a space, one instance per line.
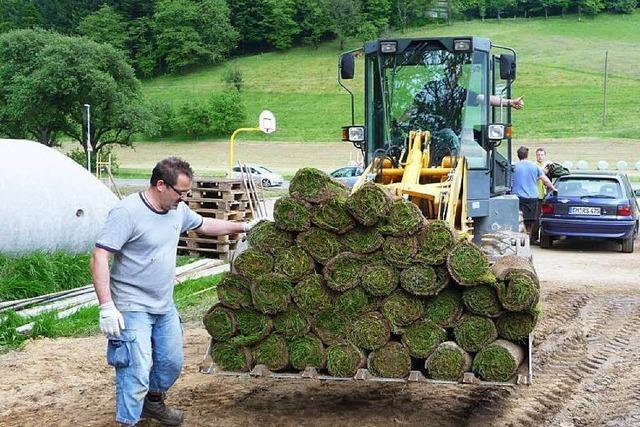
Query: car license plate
x=583 y=210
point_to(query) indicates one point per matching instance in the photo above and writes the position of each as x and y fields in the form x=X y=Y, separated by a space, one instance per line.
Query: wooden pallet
x=220 y=184
x=211 y=205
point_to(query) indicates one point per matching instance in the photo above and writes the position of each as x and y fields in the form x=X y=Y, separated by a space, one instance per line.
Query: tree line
x=167 y=36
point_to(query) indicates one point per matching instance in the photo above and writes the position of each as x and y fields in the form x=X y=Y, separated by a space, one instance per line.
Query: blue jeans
x=147 y=357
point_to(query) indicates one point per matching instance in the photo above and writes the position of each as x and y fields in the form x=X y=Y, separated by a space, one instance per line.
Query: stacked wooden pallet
x=220 y=198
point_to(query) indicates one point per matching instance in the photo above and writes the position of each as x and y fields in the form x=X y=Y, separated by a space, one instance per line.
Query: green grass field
x=560 y=74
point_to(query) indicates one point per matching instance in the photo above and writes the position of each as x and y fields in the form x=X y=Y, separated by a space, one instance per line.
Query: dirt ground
x=586 y=365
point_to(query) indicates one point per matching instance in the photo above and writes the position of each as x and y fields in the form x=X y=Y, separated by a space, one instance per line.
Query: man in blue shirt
x=525 y=185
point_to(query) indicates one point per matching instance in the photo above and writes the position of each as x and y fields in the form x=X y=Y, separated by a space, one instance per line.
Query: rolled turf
x=293 y=262
x=344 y=360
x=312 y=295
x=445 y=309
x=390 y=361
x=422 y=338
x=362 y=240
x=342 y=271
x=230 y=357
x=332 y=215
x=266 y=237
x=518 y=284
x=482 y=300
x=402 y=309
x=271 y=293
x=220 y=322
x=292 y=214
x=291 y=323
x=369 y=204
x=307 y=351
x=234 y=291
x=421 y=280
x=403 y=219
x=379 y=278
x=498 y=361
x=253 y=327
x=370 y=331
x=253 y=263
x=514 y=326
x=331 y=326
x=321 y=244
x=273 y=352
x=314 y=186
x=435 y=241
x=473 y=332
x=353 y=302
x=448 y=362
x=400 y=251
x=468 y=265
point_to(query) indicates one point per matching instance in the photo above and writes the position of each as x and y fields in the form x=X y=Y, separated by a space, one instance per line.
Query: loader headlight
x=496 y=132
x=388 y=47
x=353 y=133
x=462 y=45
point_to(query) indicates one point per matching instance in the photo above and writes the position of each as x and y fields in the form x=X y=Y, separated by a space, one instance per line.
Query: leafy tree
x=246 y=17
x=589 y=7
x=64 y=15
x=105 y=26
x=228 y=112
x=16 y=14
x=279 y=27
x=190 y=32
x=621 y=6
x=194 y=119
x=377 y=13
x=498 y=6
x=346 y=16
x=407 y=12
x=141 y=46
x=314 y=20
x=47 y=78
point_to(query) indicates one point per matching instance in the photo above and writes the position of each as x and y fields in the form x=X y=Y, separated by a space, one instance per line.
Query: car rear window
x=591 y=187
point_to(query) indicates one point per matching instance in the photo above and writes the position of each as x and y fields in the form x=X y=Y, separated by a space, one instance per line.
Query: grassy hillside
x=560 y=73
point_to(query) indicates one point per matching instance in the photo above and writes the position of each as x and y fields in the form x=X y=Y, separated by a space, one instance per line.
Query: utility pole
x=89 y=148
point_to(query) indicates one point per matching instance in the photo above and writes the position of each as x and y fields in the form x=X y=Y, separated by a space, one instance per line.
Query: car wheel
x=545 y=240
x=266 y=183
x=627 y=244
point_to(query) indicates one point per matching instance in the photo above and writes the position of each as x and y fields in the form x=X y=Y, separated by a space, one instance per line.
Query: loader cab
x=442 y=85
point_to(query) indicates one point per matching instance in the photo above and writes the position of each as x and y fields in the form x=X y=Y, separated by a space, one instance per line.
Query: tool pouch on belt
x=119 y=350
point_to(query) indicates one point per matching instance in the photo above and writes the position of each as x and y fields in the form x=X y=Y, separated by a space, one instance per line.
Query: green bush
x=79 y=156
x=194 y=119
x=164 y=119
x=227 y=112
x=233 y=77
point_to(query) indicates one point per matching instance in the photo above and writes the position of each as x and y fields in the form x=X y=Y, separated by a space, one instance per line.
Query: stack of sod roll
x=341 y=282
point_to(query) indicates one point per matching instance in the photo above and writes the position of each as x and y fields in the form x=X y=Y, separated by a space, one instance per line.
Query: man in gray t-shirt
x=137 y=313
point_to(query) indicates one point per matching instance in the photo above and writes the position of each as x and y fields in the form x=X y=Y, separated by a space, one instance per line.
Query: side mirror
x=507 y=67
x=637 y=192
x=347 y=66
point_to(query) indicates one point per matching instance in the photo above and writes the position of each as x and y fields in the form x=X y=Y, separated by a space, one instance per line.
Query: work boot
x=159 y=411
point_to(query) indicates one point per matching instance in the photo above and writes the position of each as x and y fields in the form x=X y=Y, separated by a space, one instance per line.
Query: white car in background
x=348 y=175
x=259 y=173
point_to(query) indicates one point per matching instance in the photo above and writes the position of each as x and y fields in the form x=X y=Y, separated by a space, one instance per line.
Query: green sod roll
x=266 y=237
x=403 y=219
x=353 y=302
x=253 y=263
x=292 y=214
x=314 y=186
x=422 y=338
x=400 y=251
x=252 y=326
x=307 y=351
x=291 y=323
x=273 y=352
x=518 y=285
x=320 y=244
x=220 y=322
x=341 y=272
x=482 y=300
x=390 y=361
x=402 y=309
x=271 y=293
x=370 y=331
x=379 y=278
x=234 y=291
x=293 y=262
x=421 y=280
x=332 y=215
x=514 y=326
x=435 y=241
x=312 y=295
x=445 y=308
x=362 y=240
x=468 y=265
x=474 y=332
x=369 y=204
x=448 y=362
x=331 y=326
x=498 y=361
x=230 y=357
x=344 y=360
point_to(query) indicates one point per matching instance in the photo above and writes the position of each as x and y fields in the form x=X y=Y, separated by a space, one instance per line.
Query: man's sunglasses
x=186 y=193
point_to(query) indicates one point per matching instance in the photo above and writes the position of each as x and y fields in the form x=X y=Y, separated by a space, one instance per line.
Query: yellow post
x=232 y=140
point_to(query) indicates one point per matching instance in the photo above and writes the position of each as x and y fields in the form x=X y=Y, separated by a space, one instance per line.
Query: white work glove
x=249 y=225
x=111 y=320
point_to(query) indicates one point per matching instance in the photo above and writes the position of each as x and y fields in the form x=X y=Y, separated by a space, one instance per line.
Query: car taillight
x=547 y=208
x=624 y=210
